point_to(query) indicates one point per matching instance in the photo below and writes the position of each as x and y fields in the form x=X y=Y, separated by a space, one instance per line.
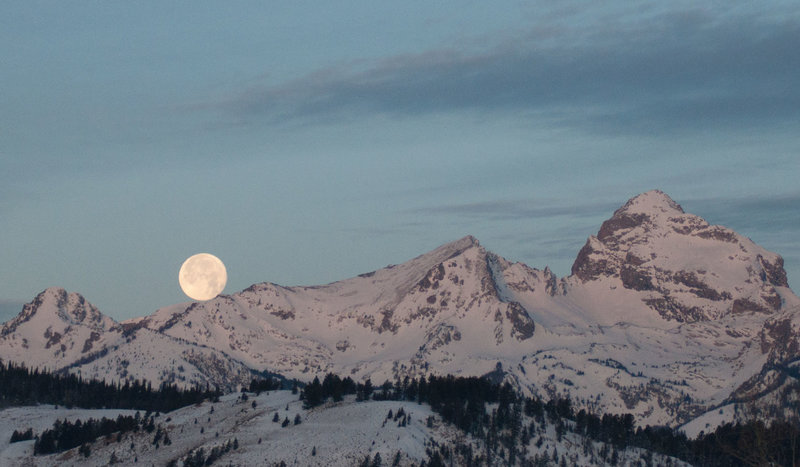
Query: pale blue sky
x=304 y=143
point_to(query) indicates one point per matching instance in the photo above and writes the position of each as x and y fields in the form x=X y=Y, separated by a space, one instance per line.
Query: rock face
x=689 y=270
x=664 y=316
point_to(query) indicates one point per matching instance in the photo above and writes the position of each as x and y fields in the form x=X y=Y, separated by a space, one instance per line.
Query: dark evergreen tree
x=22 y=435
x=312 y=394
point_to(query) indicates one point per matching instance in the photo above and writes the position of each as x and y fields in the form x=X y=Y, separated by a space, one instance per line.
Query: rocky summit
x=690 y=270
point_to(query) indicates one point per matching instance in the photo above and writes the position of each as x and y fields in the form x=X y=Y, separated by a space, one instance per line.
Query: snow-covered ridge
x=664 y=316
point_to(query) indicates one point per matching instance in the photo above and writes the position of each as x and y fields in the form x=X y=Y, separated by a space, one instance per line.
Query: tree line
x=22 y=386
x=66 y=435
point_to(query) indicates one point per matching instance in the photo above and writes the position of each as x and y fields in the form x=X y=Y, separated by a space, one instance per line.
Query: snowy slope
x=343 y=433
x=147 y=355
x=39 y=418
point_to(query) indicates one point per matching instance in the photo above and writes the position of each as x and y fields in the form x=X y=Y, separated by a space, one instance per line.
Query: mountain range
x=663 y=316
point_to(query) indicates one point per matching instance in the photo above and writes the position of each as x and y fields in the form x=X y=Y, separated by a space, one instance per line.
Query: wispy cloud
x=777 y=215
x=515 y=209
x=403 y=228
x=537 y=232
x=670 y=72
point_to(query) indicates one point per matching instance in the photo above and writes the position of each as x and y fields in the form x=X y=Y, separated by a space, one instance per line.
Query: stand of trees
x=332 y=387
x=268 y=381
x=198 y=457
x=260 y=385
x=21 y=386
x=66 y=435
x=22 y=435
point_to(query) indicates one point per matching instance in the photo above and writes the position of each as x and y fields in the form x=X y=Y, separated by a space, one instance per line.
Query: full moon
x=202 y=276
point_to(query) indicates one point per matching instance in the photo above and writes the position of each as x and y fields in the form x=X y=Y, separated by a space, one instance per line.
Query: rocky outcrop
x=522 y=326
x=773 y=271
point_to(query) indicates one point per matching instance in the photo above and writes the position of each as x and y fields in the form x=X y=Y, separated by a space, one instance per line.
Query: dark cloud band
x=674 y=72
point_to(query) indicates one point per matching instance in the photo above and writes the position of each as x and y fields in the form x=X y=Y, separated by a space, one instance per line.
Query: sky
x=304 y=142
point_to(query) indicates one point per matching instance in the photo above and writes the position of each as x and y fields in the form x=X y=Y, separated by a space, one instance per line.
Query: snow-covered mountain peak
x=647 y=213
x=60 y=330
x=683 y=267
x=55 y=328
x=394 y=321
x=459 y=246
x=56 y=307
x=653 y=202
